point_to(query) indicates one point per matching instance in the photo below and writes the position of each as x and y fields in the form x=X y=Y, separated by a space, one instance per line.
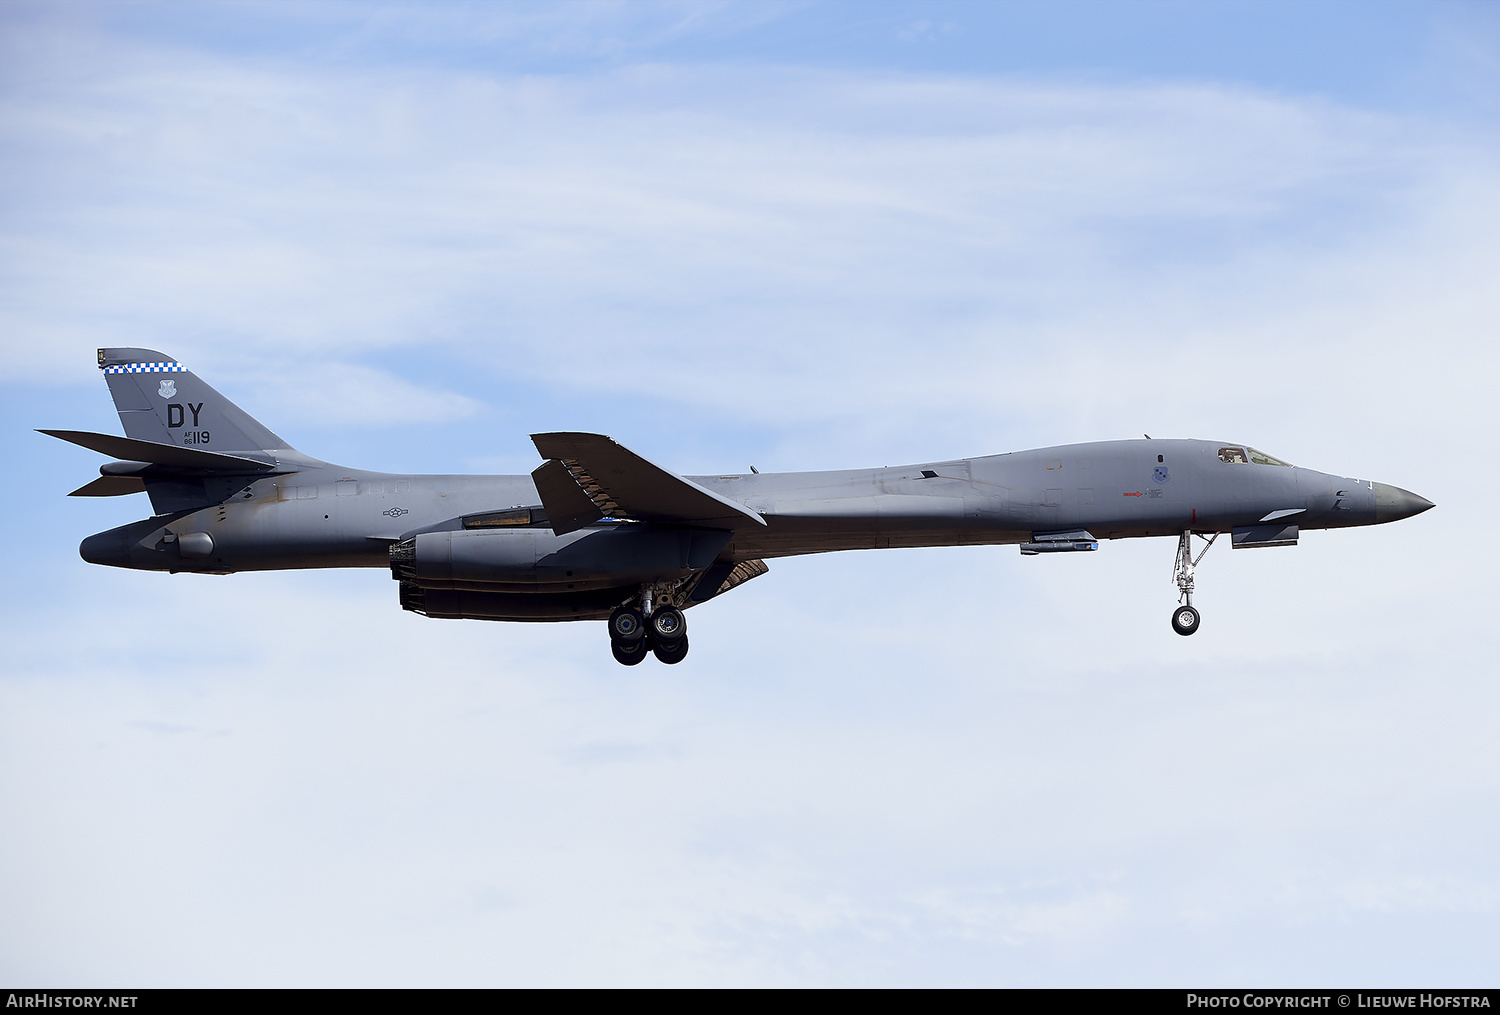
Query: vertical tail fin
x=161 y=400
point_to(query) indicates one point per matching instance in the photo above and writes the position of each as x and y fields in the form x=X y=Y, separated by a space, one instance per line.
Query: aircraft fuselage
x=329 y=516
x=597 y=531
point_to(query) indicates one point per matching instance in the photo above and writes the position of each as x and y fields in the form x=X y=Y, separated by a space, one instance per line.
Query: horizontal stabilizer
x=111 y=486
x=169 y=455
x=622 y=484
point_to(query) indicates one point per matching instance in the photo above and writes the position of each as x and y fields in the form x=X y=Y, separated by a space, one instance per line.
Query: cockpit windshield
x=1248 y=456
x=1261 y=458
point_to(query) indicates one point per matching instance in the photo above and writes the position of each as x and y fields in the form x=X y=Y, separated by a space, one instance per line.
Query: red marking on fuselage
x=1136 y=494
x=1195 y=514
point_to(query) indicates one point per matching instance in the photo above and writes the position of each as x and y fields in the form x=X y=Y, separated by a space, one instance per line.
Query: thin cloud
x=342 y=394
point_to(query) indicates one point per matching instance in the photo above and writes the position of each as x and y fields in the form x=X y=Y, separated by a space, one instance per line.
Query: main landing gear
x=1185 y=618
x=662 y=630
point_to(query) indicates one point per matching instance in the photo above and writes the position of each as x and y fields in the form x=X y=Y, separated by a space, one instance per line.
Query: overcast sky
x=799 y=235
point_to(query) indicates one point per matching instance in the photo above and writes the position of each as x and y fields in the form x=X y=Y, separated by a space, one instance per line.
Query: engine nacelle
x=605 y=556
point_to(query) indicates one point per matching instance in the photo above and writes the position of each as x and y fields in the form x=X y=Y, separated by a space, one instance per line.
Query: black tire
x=673 y=652
x=626 y=624
x=628 y=653
x=667 y=625
x=1185 y=620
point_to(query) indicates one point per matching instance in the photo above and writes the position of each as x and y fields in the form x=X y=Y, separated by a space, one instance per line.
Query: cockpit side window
x=1261 y=458
x=1235 y=456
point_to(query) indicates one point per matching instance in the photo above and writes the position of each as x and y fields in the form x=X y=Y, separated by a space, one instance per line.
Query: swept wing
x=618 y=483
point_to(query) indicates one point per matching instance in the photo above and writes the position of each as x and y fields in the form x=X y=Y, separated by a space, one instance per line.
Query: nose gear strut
x=1185 y=617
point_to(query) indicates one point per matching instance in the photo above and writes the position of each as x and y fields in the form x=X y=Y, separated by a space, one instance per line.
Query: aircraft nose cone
x=1393 y=503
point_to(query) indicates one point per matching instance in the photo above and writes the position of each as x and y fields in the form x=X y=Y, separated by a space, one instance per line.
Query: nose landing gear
x=1185 y=618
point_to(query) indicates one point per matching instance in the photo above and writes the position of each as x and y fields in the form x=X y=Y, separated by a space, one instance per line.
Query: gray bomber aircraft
x=599 y=533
